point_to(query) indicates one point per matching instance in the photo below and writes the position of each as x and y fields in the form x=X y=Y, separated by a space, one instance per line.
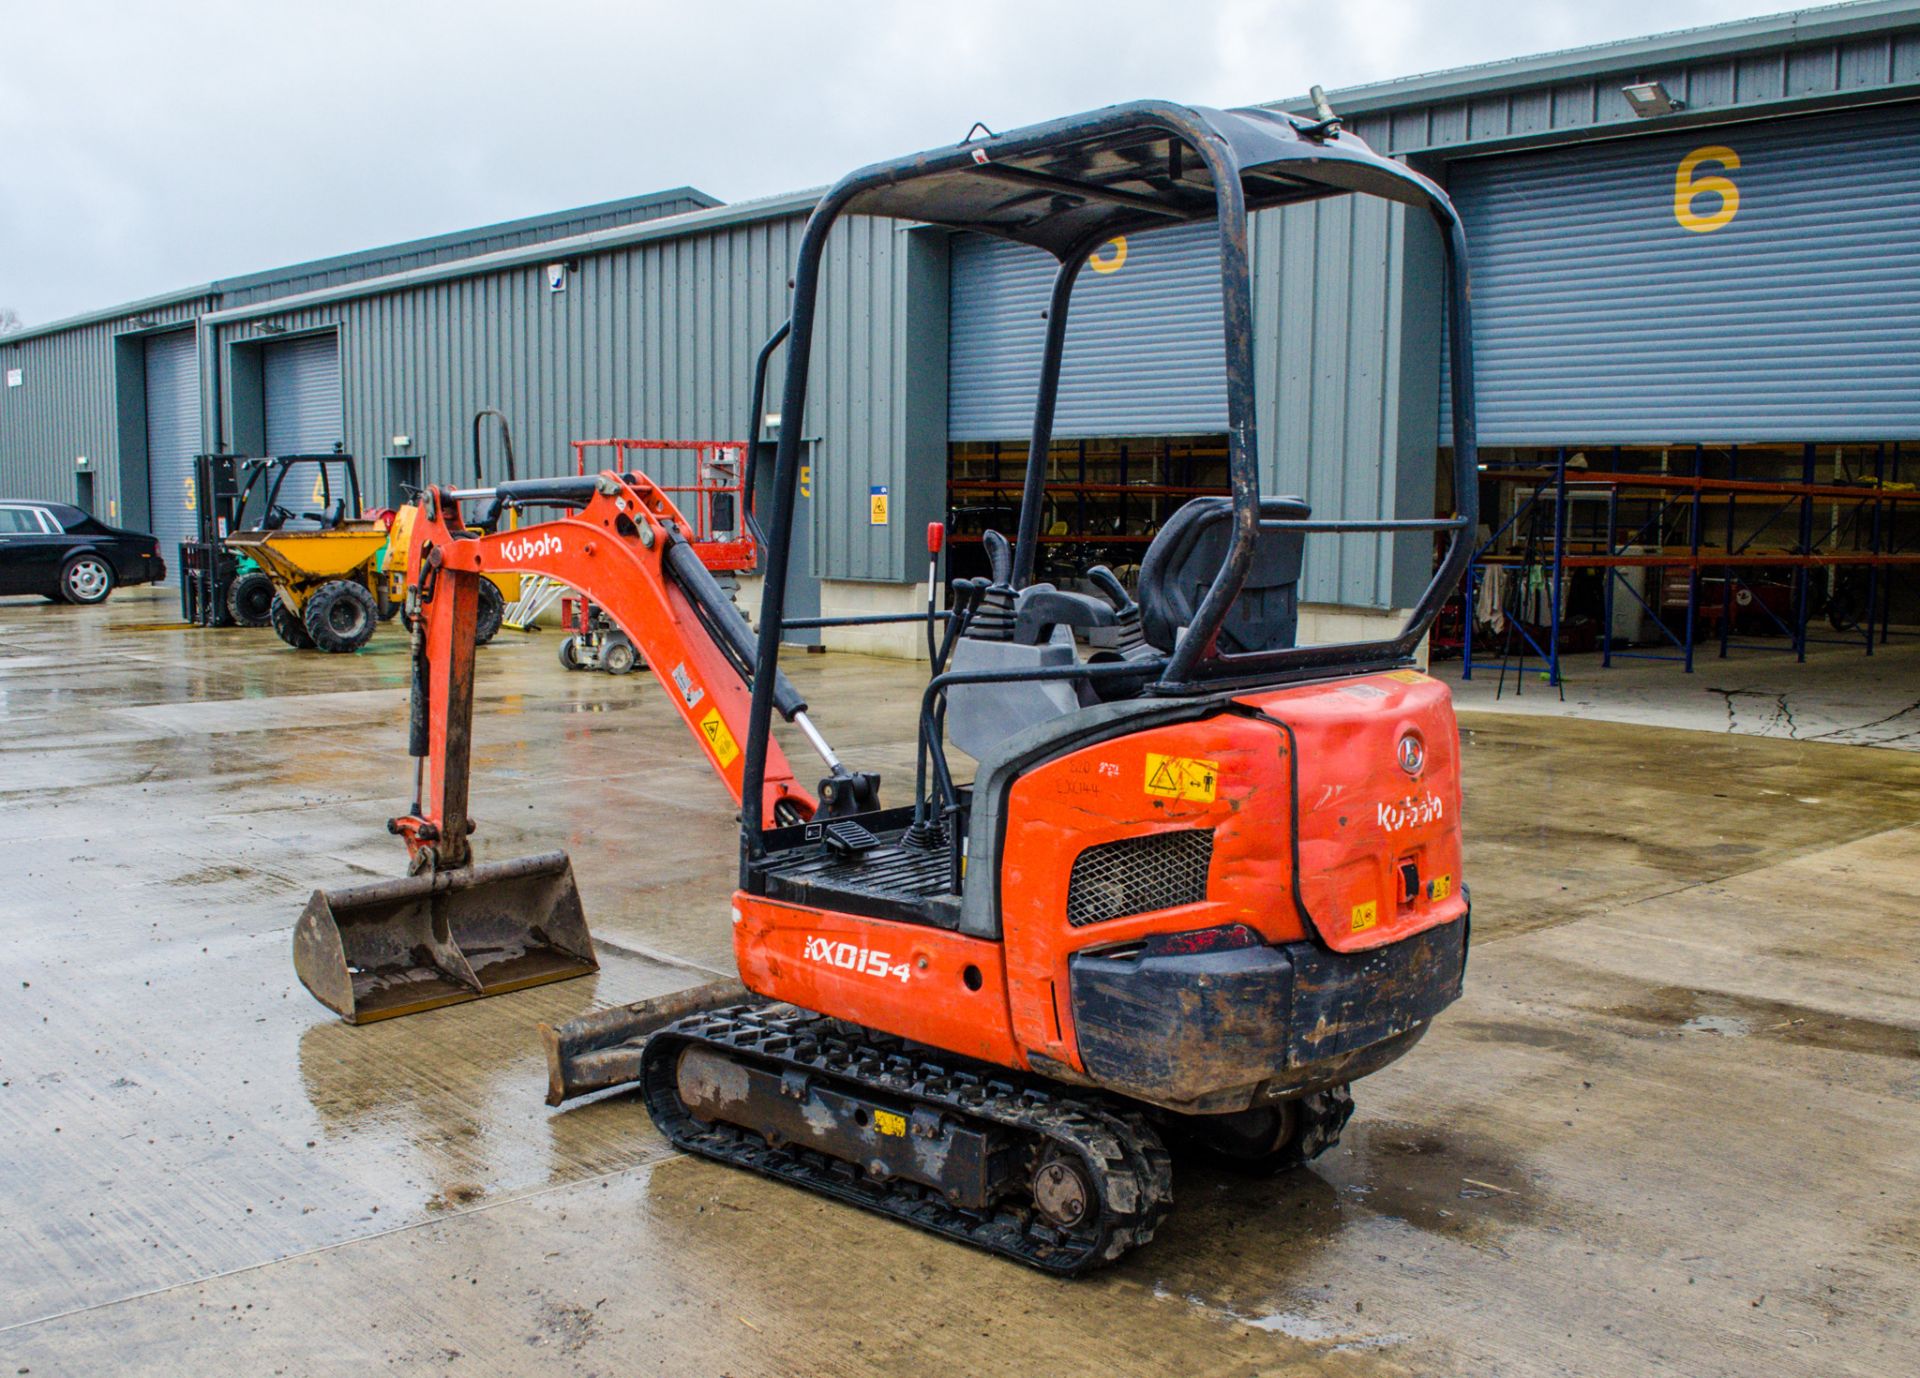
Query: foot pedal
x=850 y=839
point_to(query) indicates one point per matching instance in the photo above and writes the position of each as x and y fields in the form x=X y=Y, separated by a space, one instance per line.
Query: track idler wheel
x=1266 y=1139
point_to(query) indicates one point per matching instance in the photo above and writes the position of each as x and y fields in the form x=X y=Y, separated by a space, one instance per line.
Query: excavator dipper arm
x=623 y=548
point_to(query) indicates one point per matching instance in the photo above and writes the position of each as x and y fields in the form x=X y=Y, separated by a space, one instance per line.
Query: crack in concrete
x=1865 y=726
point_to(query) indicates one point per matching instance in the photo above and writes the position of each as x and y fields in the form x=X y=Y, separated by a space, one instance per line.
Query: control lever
x=1130 y=640
x=994 y=619
x=1112 y=589
x=999 y=558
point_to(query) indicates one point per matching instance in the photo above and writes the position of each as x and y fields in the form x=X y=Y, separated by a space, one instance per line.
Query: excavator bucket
x=398 y=947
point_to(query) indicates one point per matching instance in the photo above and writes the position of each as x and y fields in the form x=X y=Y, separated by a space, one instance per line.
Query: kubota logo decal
x=1411 y=812
x=848 y=957
x=530 y=547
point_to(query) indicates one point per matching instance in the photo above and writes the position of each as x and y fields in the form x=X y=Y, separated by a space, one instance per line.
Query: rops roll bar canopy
x=1070 y=185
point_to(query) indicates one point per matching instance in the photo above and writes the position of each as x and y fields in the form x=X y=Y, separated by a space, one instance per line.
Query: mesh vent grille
x=1137 y=875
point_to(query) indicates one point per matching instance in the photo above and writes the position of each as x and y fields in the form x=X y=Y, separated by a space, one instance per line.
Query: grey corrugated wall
x=1346 y=300
x=68 y=405
x=654 y=340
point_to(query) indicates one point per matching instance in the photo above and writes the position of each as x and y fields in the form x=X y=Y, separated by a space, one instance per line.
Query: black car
x=62 y=553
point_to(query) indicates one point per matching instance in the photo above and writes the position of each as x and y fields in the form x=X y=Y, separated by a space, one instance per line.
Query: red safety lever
x=936 y=537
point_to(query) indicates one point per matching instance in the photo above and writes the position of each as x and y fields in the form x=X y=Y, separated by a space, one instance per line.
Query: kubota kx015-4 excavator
x=1199 y=883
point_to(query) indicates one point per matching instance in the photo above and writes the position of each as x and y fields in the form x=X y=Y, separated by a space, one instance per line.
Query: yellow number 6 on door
x=1687 y=187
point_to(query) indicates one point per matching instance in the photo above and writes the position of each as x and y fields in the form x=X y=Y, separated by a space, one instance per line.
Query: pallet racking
x=1660 y=520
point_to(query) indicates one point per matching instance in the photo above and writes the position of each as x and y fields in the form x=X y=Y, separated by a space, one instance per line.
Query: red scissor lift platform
x=713 y=499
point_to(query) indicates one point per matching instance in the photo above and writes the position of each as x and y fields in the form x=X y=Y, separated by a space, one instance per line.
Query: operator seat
x=1191 y=546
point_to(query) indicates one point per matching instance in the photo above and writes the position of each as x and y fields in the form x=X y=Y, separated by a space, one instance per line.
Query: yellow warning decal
x=1182 y=777
x=714 y=728
x=1440 y=888
x=1365 y=916
x=888 y=1123
x=1408 y=676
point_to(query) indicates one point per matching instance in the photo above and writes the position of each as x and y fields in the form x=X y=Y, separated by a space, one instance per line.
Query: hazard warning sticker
x=714 y=728
x=1365 y=916
x=1408 y=676
x=1182 y=777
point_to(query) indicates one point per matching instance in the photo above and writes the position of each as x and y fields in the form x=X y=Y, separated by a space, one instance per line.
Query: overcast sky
x=148 y=146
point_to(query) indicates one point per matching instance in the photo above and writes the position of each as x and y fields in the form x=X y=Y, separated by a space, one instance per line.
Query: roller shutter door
x=1618 y=297
x=1143 y=353
x=303 y=396
x=173 y=438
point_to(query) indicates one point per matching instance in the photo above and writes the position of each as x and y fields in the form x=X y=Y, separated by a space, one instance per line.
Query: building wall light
x=1650 y=98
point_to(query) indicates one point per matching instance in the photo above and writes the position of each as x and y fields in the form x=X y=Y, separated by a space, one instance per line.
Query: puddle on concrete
x=1729 y=1024
x=1721 y=1013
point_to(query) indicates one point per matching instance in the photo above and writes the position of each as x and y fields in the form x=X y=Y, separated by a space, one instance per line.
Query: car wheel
x=250 y=598
x=617 y=656
x=288 y=626
x=341 y=616
x=490 y=614
x=86 y=580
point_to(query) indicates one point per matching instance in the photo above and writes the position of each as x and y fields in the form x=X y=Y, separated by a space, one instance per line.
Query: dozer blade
x=402 y=946
x=602 y=1049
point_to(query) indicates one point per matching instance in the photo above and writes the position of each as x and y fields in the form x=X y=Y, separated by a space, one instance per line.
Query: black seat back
x=1180 y=565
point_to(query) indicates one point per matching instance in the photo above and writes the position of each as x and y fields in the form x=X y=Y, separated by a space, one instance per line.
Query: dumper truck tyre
x=341 y=616
x=490 y=614
x=288 y=627
x=250 y=598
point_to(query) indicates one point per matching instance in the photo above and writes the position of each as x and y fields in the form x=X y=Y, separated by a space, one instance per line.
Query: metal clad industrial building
x=653 y=335
x=1745 y=283
x=657 y=321
x=82 y=396
x=82 y=390
x=1143 y=345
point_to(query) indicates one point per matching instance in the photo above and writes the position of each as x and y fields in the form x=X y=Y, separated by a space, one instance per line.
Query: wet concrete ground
x=1839 y=694
x=1670 y=1128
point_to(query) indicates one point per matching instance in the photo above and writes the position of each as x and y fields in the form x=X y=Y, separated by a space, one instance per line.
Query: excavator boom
x=448 y=932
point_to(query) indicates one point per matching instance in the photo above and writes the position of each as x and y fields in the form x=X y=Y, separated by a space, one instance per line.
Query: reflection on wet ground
x=1694 y=965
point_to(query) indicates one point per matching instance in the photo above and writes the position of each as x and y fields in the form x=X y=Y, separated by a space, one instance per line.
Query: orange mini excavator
x=1201 y=880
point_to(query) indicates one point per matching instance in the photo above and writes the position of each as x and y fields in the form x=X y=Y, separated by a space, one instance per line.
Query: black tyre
x=1269 y=1138
x=570 y=653
x=617 y=656
x=288 y=627
x=250 y=598
x=341 y=616
x=490 y=614
x=86 y=579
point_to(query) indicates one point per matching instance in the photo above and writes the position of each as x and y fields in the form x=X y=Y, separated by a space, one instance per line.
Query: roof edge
x=108 y=313
x=451 y=238
x=547 y=251
x=1788 y=29
x=211 y=291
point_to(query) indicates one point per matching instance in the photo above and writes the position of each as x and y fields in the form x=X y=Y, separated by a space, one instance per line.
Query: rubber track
x=1133 y=1173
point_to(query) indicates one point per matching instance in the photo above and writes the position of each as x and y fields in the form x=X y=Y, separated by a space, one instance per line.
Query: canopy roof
x=1066 y=183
